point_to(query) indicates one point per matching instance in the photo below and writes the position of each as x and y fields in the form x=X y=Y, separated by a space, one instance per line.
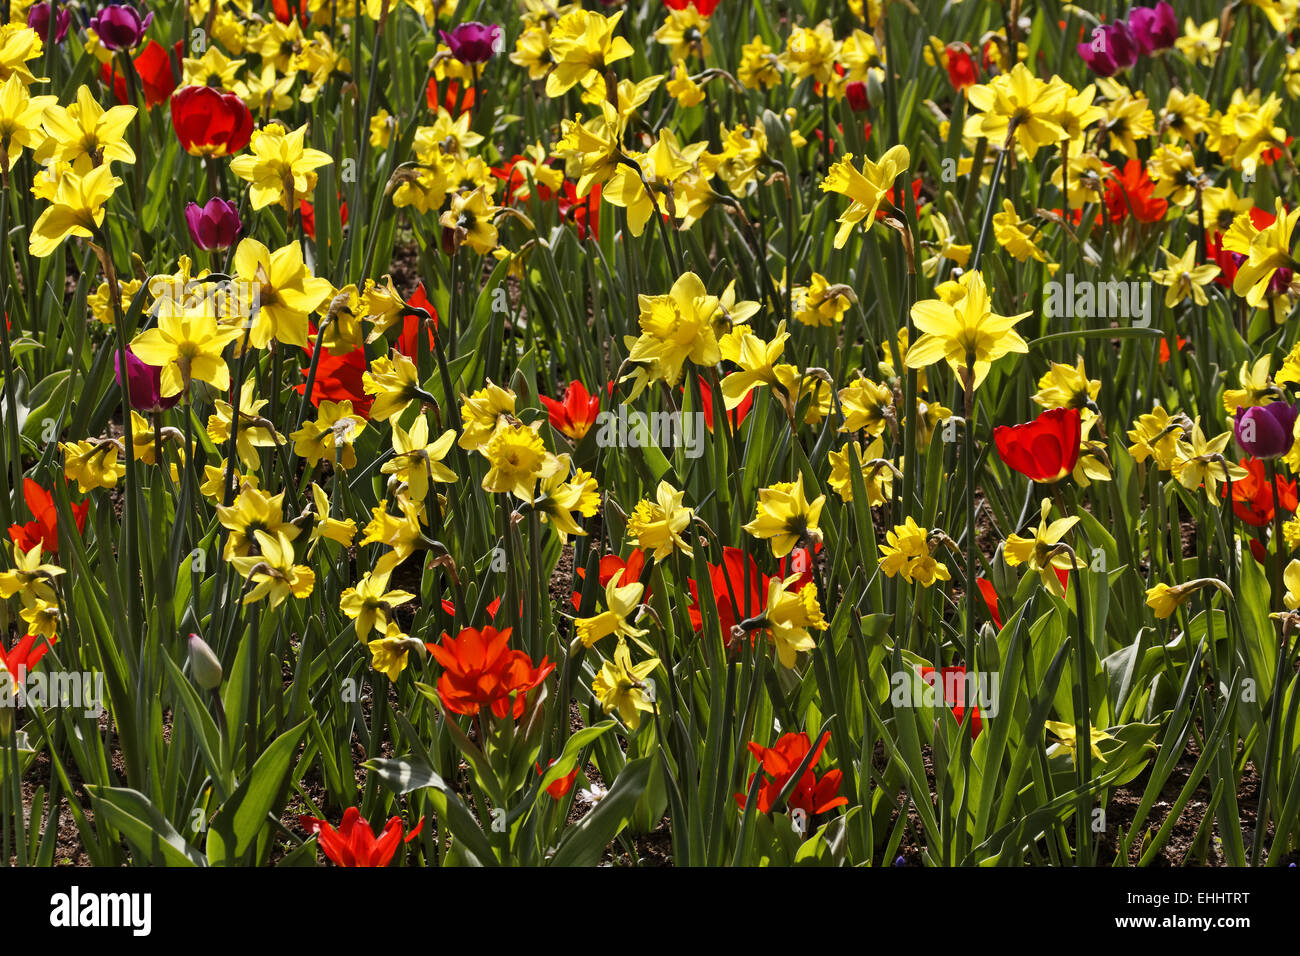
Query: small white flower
x=592 y=796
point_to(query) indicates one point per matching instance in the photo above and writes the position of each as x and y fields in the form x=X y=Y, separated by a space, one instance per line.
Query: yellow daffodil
x=867 y=188
x=273 y=573
x=1183 y=277
x=657 y=525
x=77 y=209
x=965 y=332
x=416 y=460
x=785 y=517
x=370 y=604
x=92 y=463
x=278 y=161
x=621 y=686
x=1044 y=553
x=85 y=134
x=330 y=435
x=621 y=601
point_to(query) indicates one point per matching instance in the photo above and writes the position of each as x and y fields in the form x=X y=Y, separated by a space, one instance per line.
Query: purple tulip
x=215 y=225
x=1266 y=431
x=473 y=42
x=119 y=26
x=1154 y=28
x=145 y=384
x=38 y=18
x=1111 y=49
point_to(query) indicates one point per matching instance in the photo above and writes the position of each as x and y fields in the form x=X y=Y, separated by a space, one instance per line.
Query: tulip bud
x=204 y=664
x=1266 y=431
x=856 y=92
x=119 y=26
x=215 y=225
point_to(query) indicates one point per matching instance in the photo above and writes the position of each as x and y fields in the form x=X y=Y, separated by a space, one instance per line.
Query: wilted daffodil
x=470 y=221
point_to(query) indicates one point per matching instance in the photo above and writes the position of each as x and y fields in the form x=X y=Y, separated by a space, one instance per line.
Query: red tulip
x=338 y=378
x=610 y=565
x=44 y=529
x=954 y=694
x=210 y=122
x=1045 y=449
x=576 y=411
x=354 y=843
x=810 y=794
x=407 y=342
x=727 y=582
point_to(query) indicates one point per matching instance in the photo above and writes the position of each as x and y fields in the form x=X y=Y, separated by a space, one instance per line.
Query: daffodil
x=792 y=610
x=253 y=431
x=273 y=573
x=395 y=384
x=867 y=188
x=92 y=463
x=1183 y=277
x=330 y=435
x=1017 y=105
x=620 y=686
x=877 y=473
x=559 y=496
x=1066 y=733
x=370 y=604
x=416 y=460
x=906 y=551
x=1044 y=553
x=251 y=511
x=621 y=601
x=30 y=579
x=785 y=517
x=517 y=458
x=43 y=618
x=1266 y=251
x=282 y=289
x=964 y=332
x=1016 y=235
x=582 y=46
x=187 y=344
x=389 y=654
x=76 y=209
x=85 y=134
x=481 y=412
x=1156 y=436
x=758 y=365
x=325 y=528
x=1200 y=461
x=1067 y=386
x=676 y=328
x=470 y=220
x=657 y=525
x=278 y=167
x=20 y=120
x=1257 y=388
